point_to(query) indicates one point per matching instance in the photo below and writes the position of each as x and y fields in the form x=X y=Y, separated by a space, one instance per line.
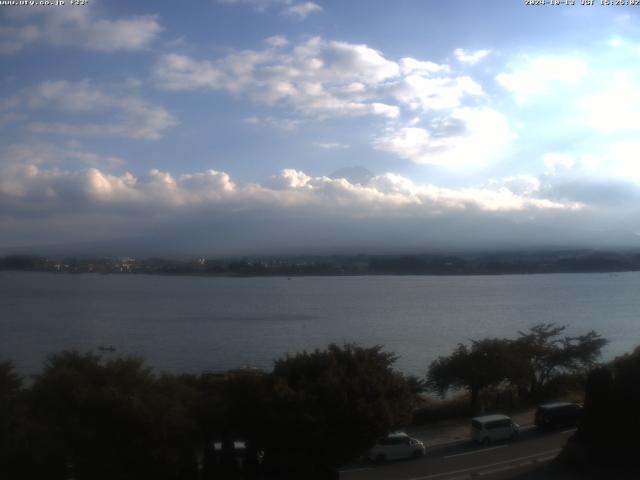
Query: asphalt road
x=465 y=460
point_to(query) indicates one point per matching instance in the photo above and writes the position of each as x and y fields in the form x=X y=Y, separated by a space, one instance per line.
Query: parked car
x=493 y=428
x=395 y=446
x=558 y=414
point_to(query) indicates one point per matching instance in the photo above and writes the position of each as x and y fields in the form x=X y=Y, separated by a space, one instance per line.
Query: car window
x=476 y=424
x=498 y=424
x=399 y=440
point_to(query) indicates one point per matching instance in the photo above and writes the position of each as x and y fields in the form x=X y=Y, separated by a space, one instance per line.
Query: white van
x=493 y=428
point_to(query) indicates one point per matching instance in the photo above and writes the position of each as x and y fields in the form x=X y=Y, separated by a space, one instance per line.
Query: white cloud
x=518 y=184
x=126 y=115
x=360 y=63
x=467 y=137
x=57 y=154
x=315 y=77
x=110 y=35
x=330 y=145
x=13 y=39
x=77 y=27
x=625 y=156
x=615 y=108
x=273 y=122
x=302 y=10
x=92 y=203
x=470 y=57
x=259 y=5
x=160 y=190
x=142 y=121
x=438 y=93
x=277 y=41
x=615 y=42
x=298 y=10
x=234 y=73
x=323 y=78
x=542 y=75
x=615 y=160
x=410 y=65
x=410 y=143
x=66 y=96
x=557 y=161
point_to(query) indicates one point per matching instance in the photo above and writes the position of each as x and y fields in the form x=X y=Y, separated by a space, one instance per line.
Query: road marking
x=514 y=466
x=546 y=459
x=349 y=470
x=571 y=430
x=489 y=465
x=496 y=470
x=476 y=451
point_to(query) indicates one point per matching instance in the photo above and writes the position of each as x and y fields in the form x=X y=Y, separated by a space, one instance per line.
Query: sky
x=230 y=127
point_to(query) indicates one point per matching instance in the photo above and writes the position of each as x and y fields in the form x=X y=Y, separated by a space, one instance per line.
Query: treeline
x=90 y=416
x=480 y=264
x=542 y=363
x=87 y=417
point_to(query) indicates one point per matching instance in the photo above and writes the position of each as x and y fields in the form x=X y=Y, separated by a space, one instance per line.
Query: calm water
x=195 y=323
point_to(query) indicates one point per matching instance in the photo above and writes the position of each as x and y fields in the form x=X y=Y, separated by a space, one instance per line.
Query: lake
x=195 y=324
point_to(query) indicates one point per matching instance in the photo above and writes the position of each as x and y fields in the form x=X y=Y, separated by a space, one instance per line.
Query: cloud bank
x=89 y=204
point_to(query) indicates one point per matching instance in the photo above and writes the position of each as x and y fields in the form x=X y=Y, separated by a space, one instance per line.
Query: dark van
x=557 y=415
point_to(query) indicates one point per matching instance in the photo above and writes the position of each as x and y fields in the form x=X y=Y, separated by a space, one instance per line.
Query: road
x=465 y=460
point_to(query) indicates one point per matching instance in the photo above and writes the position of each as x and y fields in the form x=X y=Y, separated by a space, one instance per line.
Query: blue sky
x=218 y=127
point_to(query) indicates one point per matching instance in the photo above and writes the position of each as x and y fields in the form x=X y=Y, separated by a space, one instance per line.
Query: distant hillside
x=470 y=264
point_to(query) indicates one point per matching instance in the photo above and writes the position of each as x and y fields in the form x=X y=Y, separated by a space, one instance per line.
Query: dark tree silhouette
x=485 y=363
x=87 y=417
x=99 y=419
x=327 y=407
x=530 y=363
x=608 y=434
x=543 y=353
x=13 y=420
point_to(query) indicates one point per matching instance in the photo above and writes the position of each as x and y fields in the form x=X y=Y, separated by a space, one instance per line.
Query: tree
x=484 y=364
x=531 y=362
x=543 y=354
x=608 y=433
x=13 y=421
x=110 y=419
x=242 y=400
x=328 y=406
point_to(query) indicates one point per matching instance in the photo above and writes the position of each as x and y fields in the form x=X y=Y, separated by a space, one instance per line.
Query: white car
x=395 y=446
x=493 y=428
